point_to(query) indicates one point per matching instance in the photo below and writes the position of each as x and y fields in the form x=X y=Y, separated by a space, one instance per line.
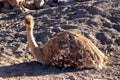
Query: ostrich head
x=29 y=22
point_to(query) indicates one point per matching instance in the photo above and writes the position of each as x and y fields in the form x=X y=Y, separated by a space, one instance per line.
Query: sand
x=97 y=20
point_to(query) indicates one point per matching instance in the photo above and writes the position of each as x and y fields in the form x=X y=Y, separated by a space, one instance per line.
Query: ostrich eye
x=27 y=21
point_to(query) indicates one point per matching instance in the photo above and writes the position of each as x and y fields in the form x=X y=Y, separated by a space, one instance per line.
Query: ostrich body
x=66 y=49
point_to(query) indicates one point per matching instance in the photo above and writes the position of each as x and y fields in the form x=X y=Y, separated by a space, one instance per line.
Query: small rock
x=49 y=1
x=29 y=5
x=39 y=3
x=46 y=6
x=18 y=9
x=66 y=2
x=15 y=3
x=72 y=78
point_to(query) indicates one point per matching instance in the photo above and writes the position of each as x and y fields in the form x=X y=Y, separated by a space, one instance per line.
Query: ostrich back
x=70 y=49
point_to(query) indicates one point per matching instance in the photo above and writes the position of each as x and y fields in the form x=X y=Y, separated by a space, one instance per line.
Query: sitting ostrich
x=66 y=49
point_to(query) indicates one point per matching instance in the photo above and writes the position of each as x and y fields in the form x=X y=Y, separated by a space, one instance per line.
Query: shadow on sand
x=31 y=69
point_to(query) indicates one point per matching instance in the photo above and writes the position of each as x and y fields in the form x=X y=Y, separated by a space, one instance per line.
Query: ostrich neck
x=35 y=50
x=31 y=39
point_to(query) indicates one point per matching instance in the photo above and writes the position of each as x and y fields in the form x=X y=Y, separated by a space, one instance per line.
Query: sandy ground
x=97 y=20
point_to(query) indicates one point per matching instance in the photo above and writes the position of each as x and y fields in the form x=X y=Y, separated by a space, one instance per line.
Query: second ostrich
x=66 y=49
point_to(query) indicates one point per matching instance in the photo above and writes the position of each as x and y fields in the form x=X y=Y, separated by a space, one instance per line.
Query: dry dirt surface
x=98 y=20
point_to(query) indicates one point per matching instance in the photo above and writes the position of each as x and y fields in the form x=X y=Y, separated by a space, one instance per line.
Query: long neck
x=35 y=50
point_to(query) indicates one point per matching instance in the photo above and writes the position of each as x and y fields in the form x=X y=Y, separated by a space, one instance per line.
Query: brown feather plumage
x=70 y=49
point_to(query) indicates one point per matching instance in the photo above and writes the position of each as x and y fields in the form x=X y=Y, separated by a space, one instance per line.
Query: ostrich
x=65 y=49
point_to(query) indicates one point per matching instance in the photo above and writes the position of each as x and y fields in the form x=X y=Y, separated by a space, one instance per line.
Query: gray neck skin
x=35 y=50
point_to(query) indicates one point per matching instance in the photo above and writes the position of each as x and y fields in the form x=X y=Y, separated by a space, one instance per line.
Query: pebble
x=46 y=6
x=71 y=78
